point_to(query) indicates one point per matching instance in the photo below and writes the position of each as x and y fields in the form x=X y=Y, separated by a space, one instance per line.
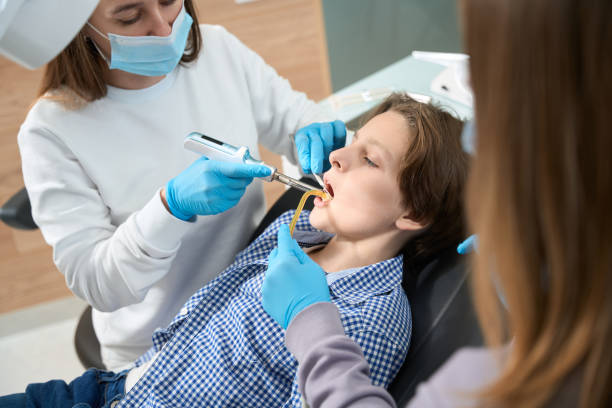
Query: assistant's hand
x=468 y=245
x=316 y=141
x=210 y=187
x=292 y=282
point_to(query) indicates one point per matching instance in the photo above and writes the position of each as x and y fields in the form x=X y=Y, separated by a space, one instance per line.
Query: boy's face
x=364 y=181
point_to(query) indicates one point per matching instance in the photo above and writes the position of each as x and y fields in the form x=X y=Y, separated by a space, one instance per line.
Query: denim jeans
x=94 y=389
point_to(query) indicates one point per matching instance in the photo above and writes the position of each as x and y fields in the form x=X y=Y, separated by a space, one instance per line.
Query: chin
x=317 y=219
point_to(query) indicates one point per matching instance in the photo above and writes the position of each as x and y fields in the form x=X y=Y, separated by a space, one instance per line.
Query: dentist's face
x=133 y=18
x=364 y=181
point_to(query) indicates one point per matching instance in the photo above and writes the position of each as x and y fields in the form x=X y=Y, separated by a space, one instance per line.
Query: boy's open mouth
x=322 y=202
x=329 y=189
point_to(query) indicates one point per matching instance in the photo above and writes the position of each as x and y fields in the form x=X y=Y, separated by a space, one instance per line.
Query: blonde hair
x=76 y=76
x=540 y=194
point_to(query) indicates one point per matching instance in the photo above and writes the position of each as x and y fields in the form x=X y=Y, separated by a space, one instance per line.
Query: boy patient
x=397 y=202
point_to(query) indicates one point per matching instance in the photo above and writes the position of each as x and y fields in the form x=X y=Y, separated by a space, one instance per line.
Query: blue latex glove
x=210 y=187
x=292 y=282
x=316 y=141
x=467 y=246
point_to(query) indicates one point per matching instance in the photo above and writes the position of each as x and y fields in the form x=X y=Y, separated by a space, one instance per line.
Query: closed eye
x=138 y=15
x=131 y=20
x=369 y=162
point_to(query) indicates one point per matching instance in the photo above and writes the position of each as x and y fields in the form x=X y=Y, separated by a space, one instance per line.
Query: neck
x=342 y=253
x=127 y=80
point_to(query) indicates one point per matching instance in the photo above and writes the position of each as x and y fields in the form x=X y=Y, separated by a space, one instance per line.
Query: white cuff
x=160 y=229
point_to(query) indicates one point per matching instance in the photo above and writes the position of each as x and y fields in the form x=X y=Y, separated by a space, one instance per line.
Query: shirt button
x=183 y=311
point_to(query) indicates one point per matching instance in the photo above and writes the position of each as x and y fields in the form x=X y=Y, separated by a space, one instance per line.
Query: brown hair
x=78 y=71
x=540 y=195
x=432 y=180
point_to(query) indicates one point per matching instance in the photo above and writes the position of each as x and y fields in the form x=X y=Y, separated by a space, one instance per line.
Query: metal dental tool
x=217 y=150
x=320 y=181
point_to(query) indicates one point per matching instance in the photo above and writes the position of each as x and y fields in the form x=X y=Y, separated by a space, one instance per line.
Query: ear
x=406 y=223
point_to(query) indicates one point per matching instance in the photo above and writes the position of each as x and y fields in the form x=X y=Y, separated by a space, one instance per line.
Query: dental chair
x=442 y=313
x=443 y=320
x=17 y=212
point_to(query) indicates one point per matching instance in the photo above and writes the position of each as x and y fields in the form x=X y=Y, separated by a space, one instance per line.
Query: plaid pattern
x=223 y=350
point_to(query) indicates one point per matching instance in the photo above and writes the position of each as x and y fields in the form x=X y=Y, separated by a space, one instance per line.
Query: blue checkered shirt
x=224 y=350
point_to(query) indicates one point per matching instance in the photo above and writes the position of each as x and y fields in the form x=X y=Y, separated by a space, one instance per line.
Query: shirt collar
x=369 y=281
x=362 y=283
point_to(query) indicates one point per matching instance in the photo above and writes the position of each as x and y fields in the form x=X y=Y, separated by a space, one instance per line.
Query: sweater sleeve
x=458 y=382
x=279 y=111
x=332 y=370
x=110 y=266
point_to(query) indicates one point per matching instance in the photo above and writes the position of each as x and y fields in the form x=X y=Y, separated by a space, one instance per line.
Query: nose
x=338 y=160
x=160 y=25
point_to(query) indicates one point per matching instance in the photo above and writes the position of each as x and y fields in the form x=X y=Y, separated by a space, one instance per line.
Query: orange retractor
x=300 y=206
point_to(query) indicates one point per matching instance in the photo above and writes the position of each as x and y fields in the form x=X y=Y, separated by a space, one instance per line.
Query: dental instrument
x=321 y=183
x=217 y=150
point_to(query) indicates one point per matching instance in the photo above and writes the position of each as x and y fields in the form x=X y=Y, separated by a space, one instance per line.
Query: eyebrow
x=125 y=7
x=376 y=143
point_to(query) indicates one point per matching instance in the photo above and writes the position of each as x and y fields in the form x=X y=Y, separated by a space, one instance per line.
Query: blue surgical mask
x=149 y=55
x=468 y=137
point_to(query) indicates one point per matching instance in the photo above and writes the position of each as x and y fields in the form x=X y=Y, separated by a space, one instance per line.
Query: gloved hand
x=292 y=282
x=210 y=187
x=468 y=245
x=316 y=141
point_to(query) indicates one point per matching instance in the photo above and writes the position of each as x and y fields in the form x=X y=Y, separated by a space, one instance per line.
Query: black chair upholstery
x=17 y=212
x=86 y=342
x=443 y=320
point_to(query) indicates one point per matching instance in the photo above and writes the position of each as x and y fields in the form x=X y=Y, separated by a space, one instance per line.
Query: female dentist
x=138 y=224
x=539 y=198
